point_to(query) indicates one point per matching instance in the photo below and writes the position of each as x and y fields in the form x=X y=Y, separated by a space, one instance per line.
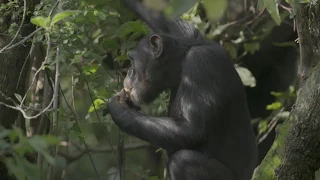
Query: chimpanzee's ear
x=156 y=45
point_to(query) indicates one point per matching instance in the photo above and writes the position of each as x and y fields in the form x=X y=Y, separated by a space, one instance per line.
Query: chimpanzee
x=207 y=135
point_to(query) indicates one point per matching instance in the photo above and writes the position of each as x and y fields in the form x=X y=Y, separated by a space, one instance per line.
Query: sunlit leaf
x=97 y=104
x=276 y=94
x=91 y=69
x=40 y=21
x=19 y=98
x=274 y=106
x=263 y=126
x=62 y=15
x=246 y=76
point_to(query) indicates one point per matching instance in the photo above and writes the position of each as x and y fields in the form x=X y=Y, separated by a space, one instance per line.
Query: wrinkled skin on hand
x=118 y=101
x=121 y=102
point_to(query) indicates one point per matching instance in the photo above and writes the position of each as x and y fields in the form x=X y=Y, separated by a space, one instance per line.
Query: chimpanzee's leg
x=192 y=165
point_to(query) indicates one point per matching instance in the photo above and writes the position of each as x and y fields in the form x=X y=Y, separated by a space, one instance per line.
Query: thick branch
x=305 y=42
x=295 y=153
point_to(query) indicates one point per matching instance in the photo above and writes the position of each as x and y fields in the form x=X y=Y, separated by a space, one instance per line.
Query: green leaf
x=41 y=146
x=14 y=135
x=246 y=76
x=121 y=57
x=231 y=48
x=276 y=94
x=272 y=8
x=128 y=44
x=263 y=126
x=178 y=7
x=215 y=8
x=62 y=15
x=21 y=168
x=274 y=106
x=97 y=104
x=4 y=132
x=40 y=21
x=129 y=27
x=251 y=47
x=91 y=69
x=19 y=98
x=102 y=16
x=158 y=5
x=51 y=140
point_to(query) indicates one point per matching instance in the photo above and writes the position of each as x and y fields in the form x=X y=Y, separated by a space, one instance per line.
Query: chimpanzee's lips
x=128 y=92
x=129 y=100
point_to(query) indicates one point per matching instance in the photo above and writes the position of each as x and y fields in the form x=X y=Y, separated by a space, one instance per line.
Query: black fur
x=207 y=134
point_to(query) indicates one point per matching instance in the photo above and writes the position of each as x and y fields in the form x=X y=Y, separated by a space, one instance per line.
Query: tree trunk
x=14 y=65
x=295 y=153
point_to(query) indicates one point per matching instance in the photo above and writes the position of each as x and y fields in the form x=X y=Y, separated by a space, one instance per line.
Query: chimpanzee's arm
x=159 y=24
x=165 y=132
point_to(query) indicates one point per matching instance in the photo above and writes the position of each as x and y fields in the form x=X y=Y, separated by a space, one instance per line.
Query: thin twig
x=19 y=108
x=22 y=21
x=72 y=94
x=47 y=54
x=23 y=66
x=285 y=8
x=54 y=7
x=92 y=101
x=40 y=68
x=77 y=122
x=272 y=124
x=55 y=107
x=8 y=98
x=23 y=40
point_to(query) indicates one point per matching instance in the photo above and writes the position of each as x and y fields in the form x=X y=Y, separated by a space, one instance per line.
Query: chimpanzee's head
x=153 y=69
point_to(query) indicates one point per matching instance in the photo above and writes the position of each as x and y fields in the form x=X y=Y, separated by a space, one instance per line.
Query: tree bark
x=295 y=153
x=14 y=66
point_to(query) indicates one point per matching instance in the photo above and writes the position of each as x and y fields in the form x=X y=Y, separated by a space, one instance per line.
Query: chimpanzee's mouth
x=129 y=100
x=128 y=92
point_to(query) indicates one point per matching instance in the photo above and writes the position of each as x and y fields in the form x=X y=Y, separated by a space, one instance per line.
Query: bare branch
x=22 y=111
x=22 y=21
x=55 y=107
x=23 y=40
x=41 y=67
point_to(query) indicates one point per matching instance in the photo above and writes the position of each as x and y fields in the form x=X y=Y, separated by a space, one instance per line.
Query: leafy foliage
x=19 y=146
x=93 y=37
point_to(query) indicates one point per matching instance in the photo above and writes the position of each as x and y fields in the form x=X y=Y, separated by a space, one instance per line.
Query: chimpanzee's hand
x=118 y=101
x=117 y=105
